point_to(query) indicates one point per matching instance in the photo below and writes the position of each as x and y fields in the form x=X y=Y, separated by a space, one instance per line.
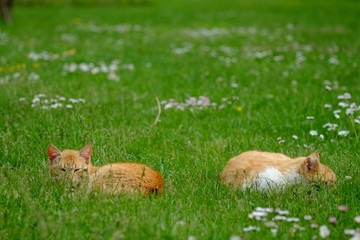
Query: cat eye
x=63 y=169
x=77 y=169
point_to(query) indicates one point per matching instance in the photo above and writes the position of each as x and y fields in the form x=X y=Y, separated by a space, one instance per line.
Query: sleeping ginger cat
x=114 y=177
x=264 y=170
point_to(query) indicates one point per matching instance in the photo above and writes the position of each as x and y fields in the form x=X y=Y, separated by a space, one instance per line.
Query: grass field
x=263 y=74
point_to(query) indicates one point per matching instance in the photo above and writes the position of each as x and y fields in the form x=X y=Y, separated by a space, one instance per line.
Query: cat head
x=314 y=171
x=69 y=165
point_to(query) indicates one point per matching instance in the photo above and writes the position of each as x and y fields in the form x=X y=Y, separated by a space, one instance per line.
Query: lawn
x=279 y=76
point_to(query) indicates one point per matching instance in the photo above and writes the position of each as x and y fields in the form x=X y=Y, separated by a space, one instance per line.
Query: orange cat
x=264 y=170
x=115 y=177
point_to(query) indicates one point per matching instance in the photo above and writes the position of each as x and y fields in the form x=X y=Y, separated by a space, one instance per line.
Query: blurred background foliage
x=81 y=2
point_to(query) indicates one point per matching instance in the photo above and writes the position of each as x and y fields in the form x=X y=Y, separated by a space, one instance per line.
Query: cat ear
x=53 y=153
x=86 y=153
x=312 y=162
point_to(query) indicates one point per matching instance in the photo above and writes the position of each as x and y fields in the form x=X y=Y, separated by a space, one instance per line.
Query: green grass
x=189 y=148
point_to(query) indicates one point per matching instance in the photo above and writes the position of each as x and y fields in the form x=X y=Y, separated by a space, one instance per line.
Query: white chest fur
x=272 y=177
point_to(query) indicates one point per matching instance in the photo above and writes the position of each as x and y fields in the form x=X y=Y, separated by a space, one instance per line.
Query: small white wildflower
x=336 y=113
x=268 y=210
x=344 y=96
x=81 y=100
x=69 y=106
x=84 y=67
x=62 y=98
x=22 y=99
x=168 y=105
x=251 y=228
x=271 y=224
x=40 y=95
x=324 y=231
x=274 y=231
x=343 y=133
x=129 y=66
x=343 y=104
x=234 y=85
x=357 y=219
x=278 y=58
x=292 y=219
x=281 y=141
x=297 y=226
x=259 y=214
x=192 y=238
x=45 y=107
x=113 y=76
x=235 y=238
x=282 y=212
x=279 y=217
x=313 y=133
x=349 y=231
x=355 y=237
x=321 y=137
x=328 y=88
x=279 y=138
x=16 y=75
x=307 y=217
x=330 y=126
x=95 y=70
x=72 y=100
x=327 y=106
x=181 y=107
x=357 y=121
x=314 y=225
x=221 y=106
x=295 y=137
x=334 y=60
x=350 y=111
x=33 y=76
x=347 y=178
x=310 y=117
x=180 y=223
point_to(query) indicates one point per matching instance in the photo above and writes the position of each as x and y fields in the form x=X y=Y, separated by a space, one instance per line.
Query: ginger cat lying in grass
x=76 y=167
x=264 y=170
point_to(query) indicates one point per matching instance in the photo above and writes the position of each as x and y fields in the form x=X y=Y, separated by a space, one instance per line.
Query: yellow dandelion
x=30 y=43
x=35 y=64
x=70 y=52
x=238 y=109
x=76 y=20
x=1 y=69
x=18 y=67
